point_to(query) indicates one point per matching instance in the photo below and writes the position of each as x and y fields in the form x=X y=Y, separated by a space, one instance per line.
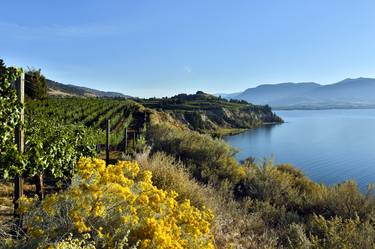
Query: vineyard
x=123 y=114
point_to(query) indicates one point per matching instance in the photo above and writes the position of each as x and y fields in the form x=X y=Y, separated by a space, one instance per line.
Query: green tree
x=36 y=84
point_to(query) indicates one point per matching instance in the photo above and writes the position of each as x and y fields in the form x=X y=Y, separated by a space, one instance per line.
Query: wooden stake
x=39 y=188
x=107 y=143
x=134 y=140
x=20 y=141
x=126 y=140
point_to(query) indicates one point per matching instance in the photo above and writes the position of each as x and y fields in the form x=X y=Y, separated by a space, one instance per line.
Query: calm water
x=330 y=146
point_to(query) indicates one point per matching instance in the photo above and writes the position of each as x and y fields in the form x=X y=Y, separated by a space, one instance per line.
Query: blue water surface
x=330 y=146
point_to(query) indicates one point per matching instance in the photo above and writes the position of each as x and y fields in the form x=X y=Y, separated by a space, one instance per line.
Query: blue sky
x=160 y=48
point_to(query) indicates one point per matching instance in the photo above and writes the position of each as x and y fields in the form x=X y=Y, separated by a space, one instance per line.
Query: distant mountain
x=349 y=93
x=63 y=90
x=227 y=95
x=271 y=94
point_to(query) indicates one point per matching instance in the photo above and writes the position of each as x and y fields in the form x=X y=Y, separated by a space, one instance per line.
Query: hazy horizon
x=148 y=49
x=215 y=93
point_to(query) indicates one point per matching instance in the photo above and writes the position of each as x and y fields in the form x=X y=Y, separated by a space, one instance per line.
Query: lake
x=330 y=146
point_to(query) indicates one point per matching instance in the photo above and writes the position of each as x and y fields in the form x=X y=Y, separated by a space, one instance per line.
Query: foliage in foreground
x=232 y=226
x=54 y=148
x=302 y=213
x=50 y=146
x=10 y=109
x=51 y=149
x=115 y=206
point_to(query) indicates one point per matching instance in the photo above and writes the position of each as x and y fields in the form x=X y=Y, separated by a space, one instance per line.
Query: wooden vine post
x=134 y=140
x=38 y=179
x=126 y=140
x=107 y=143
x=20 y=141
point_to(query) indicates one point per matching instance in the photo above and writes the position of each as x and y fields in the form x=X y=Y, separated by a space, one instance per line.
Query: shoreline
x=234 y=131
x=322 y=109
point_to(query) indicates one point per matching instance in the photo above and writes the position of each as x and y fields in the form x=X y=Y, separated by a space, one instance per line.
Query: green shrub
x=338 y=233
x=210 y=160
x=296 y=237
x=346 y=201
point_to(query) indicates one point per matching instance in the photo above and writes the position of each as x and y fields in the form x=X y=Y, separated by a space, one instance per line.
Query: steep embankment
x=206 y=113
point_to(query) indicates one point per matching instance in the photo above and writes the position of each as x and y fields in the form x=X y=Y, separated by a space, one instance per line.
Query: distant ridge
x=57 y=89
x=348 y=93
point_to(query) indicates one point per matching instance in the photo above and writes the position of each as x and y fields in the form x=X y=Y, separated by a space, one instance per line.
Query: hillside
x=349 y=93
x=57 y=89
x=207 y=113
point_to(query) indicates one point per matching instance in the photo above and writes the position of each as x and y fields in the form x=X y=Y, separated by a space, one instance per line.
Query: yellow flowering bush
x=73 y=243
x=119 y=206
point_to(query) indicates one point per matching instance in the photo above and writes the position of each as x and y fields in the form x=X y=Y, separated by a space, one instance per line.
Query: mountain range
x=348 y=93
x=57 y=89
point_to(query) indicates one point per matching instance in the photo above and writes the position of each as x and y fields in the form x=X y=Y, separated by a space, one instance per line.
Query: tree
x=36 y=85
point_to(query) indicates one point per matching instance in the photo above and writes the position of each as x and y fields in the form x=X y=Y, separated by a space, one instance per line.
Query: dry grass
x=170 y=174
x=232 y=224
x=6 y=204
x=6 y=200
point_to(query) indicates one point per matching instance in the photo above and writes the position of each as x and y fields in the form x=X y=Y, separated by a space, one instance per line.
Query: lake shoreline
x=319 y=142
x=322 y=109
x=235 y=131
